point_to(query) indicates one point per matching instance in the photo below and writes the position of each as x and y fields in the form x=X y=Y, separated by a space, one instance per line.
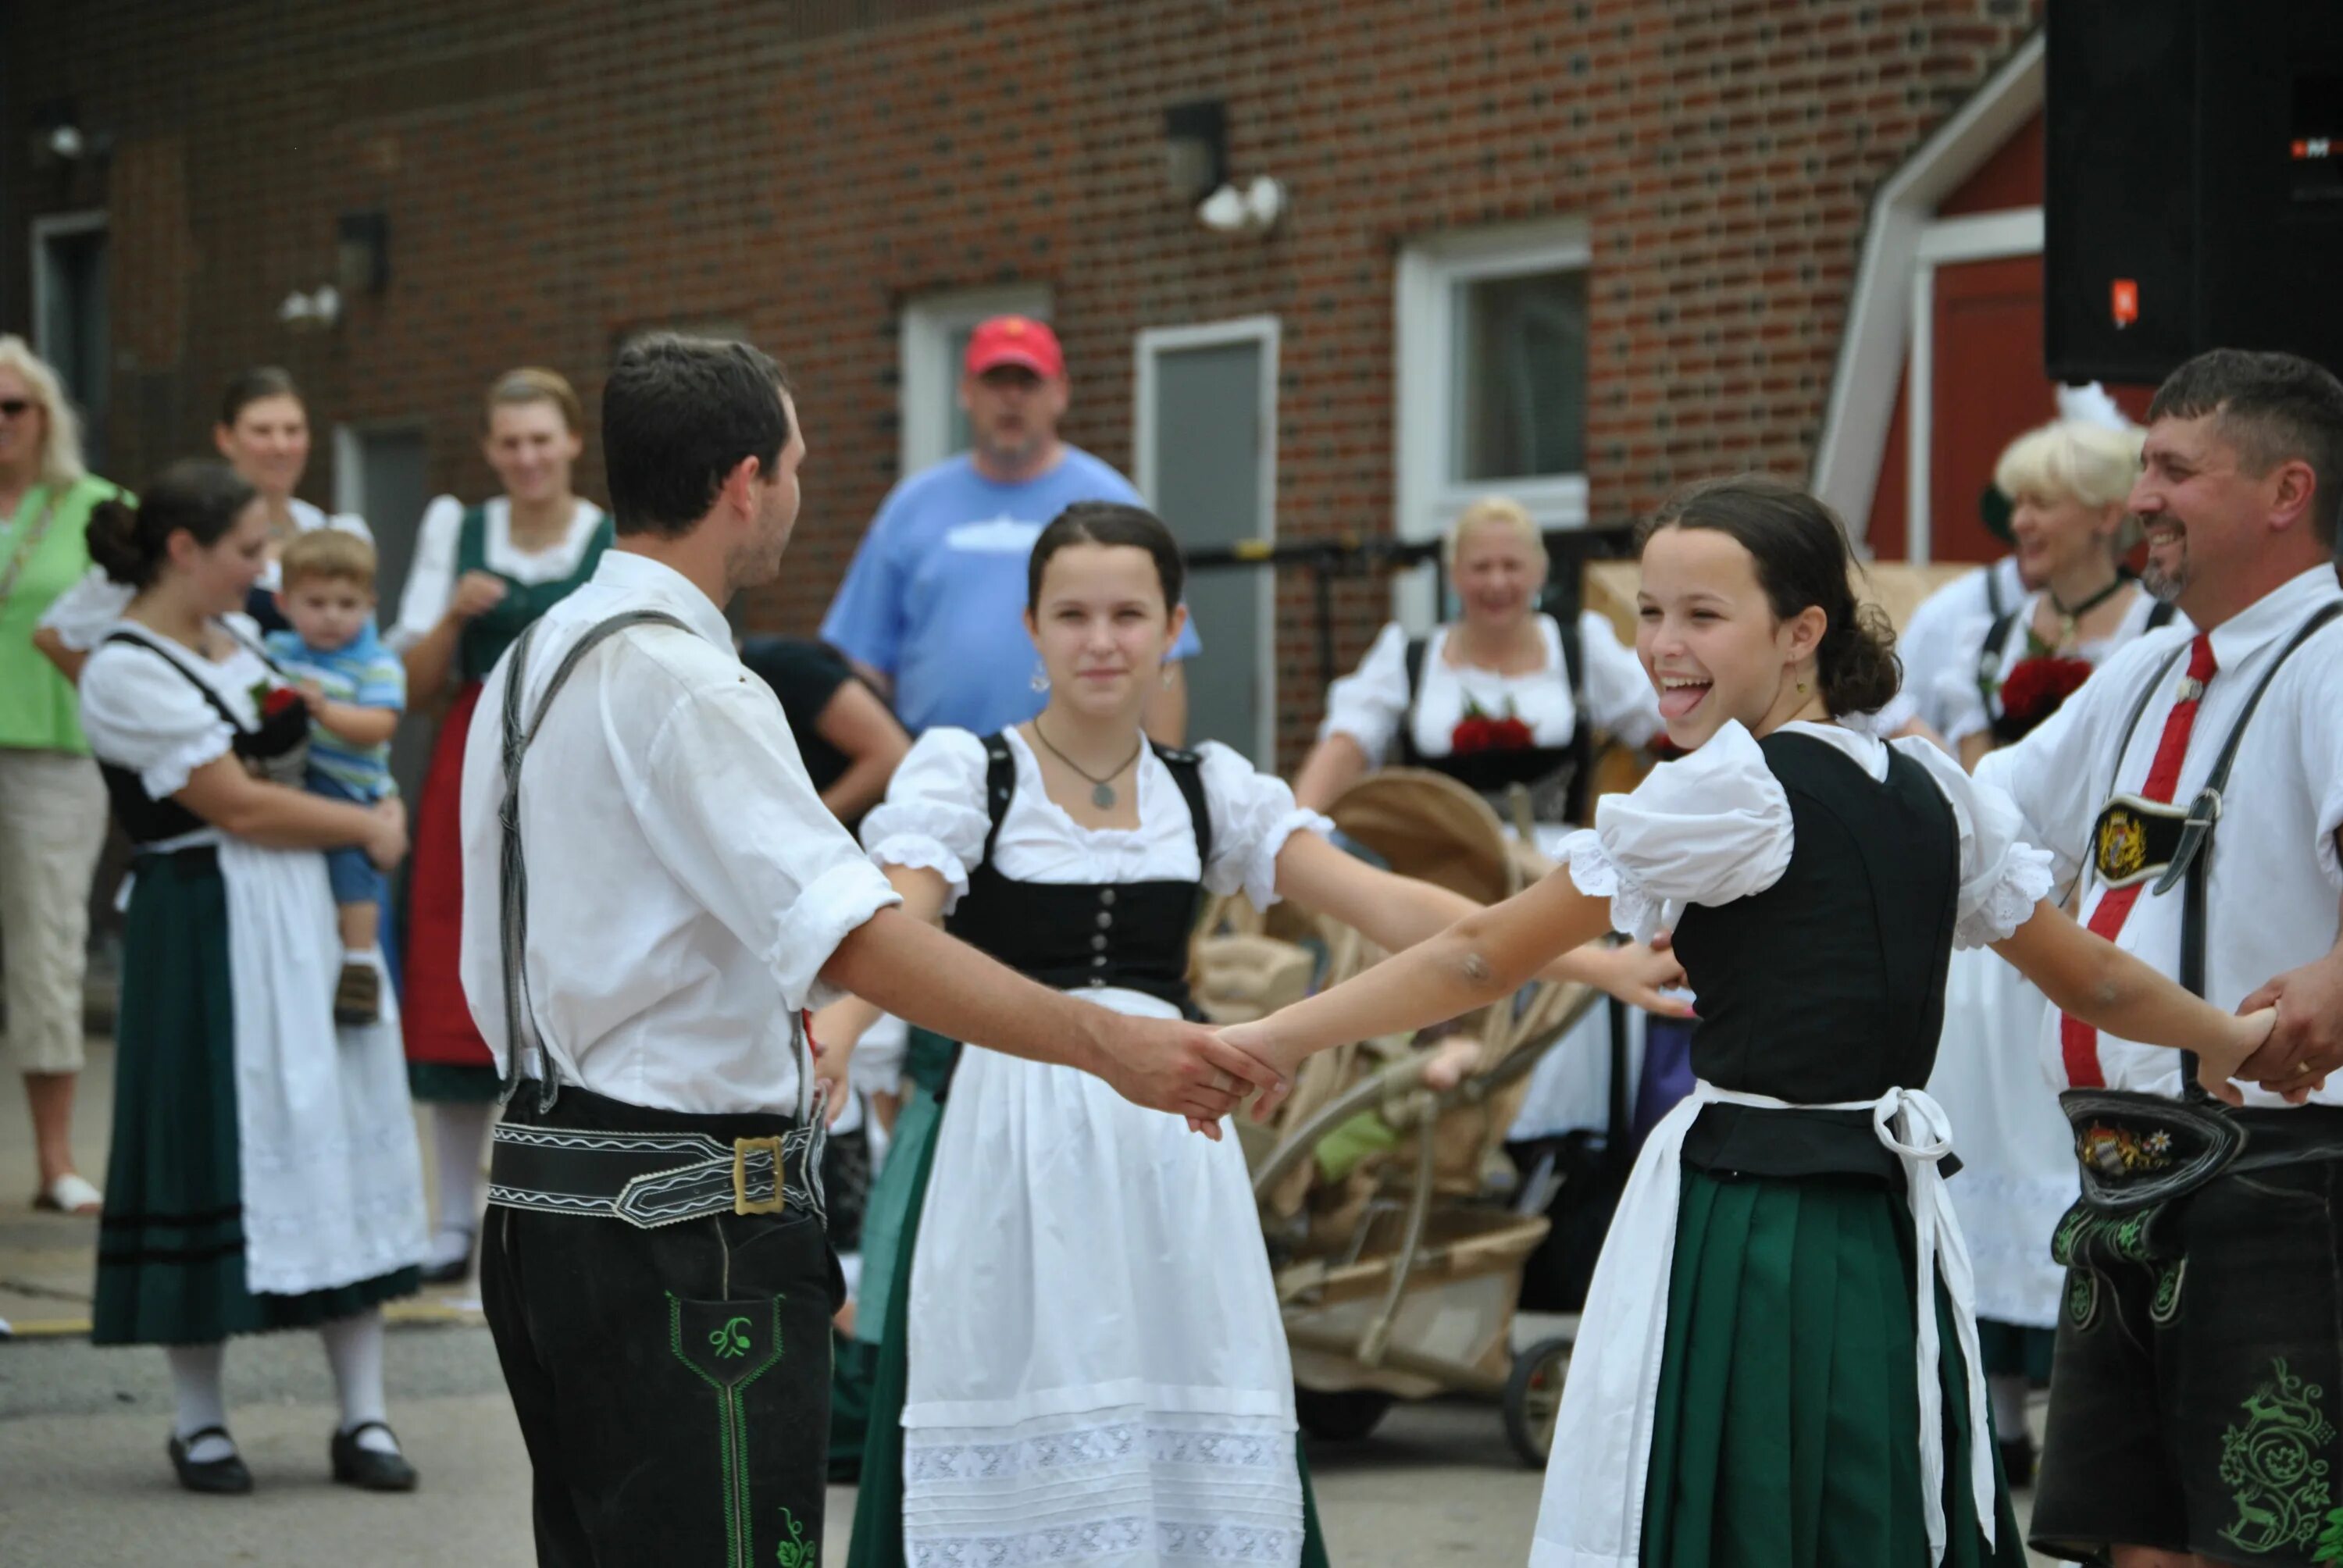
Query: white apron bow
x=1592 y=1512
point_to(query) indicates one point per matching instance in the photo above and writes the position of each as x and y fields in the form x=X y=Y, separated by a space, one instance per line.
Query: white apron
x=333 y=1184
x=1593 y=1512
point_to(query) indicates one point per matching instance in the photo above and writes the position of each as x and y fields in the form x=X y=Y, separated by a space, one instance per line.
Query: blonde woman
x=2067 y=481
x=52 y=806
x=482 y=575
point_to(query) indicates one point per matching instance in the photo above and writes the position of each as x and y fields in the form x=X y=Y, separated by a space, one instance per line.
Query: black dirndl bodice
x=1076 y=936
x=1830 y=986
x=277 y=750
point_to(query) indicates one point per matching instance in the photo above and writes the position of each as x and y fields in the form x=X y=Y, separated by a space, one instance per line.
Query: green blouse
x=37 y=712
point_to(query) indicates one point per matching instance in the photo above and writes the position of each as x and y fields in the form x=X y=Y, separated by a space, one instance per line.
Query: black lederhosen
x=660 y=1286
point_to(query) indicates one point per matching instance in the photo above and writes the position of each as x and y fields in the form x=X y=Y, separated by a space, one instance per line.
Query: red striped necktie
x=2078 y=1042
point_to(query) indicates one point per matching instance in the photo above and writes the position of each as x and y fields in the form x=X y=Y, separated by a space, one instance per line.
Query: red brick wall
x=556 y=175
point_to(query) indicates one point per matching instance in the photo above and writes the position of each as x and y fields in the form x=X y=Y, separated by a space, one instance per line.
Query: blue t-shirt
x=935 y=596
x=365 y=674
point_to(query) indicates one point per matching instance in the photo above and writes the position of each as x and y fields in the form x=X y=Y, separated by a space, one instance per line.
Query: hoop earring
x=1041 y=681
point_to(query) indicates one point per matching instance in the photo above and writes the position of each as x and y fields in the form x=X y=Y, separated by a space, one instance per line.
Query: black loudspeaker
x=2194 y=193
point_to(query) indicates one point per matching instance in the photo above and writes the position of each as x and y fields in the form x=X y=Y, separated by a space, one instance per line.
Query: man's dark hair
x=677 y=415
x=2273 y=408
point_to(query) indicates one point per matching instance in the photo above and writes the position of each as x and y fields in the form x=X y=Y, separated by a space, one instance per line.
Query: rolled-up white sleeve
x=1369 y=704
x=728 y=808
x=934 y=816
x=2002 y=877
x=430 y=576
x=1253 y=815
x=1708 y=829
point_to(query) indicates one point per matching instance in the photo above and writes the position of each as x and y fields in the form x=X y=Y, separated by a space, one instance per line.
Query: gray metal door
x=1208 y=440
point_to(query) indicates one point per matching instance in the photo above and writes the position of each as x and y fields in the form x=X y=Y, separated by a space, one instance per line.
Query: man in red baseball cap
x=931 y=610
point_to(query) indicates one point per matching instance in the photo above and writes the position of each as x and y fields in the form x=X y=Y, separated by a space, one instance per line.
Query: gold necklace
x=1101 y=789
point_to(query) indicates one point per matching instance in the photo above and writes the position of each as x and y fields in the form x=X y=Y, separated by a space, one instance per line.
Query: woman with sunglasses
x=52 y=806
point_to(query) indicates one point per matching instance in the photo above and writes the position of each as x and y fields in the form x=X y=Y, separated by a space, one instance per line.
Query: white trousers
x=51 y=828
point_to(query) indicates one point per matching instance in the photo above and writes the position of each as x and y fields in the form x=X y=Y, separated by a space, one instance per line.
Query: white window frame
x=1425 y=499
x=928 y=380
x=1266 y=331
x=56 y=226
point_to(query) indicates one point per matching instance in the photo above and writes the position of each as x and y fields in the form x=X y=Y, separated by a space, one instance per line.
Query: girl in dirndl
x=481 y=575
x=1088 y=1357
x=1778 y=1365
x=2068 y=482
x=263 y=1171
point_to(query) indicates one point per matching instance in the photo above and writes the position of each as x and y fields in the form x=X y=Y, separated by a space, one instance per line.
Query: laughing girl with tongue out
x=1778 y=1363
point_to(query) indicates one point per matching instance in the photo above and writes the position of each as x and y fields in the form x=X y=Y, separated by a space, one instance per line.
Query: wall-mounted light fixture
x=312 y=312
x=60 y=140
x=362 y=252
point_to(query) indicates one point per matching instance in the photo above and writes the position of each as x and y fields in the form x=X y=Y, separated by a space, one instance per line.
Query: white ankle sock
x=353 y=1349
x=459 y=1133
x=2009 y=1391
x=195 y=1389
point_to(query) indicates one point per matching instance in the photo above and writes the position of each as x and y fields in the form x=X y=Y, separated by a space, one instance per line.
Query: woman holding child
x=263 y=1173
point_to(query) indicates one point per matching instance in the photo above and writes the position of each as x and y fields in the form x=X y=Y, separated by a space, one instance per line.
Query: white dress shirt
x=686 y=885
x=2273 y=880
x=1371 y=703
x=1937 y=640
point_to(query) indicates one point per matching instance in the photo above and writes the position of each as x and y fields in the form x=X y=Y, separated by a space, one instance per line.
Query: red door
x=1988 y=389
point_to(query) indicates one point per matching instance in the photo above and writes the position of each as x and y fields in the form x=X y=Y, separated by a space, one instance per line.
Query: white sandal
x=70 y=1193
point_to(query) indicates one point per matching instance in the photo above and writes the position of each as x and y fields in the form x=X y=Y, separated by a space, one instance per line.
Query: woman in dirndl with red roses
x=2067 y=482
x=1494 y=698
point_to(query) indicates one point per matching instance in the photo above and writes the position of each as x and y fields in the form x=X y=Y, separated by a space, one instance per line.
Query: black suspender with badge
x=2139 y=1152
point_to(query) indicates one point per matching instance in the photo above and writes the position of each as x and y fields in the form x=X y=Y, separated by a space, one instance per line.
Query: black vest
x=279 y=746
x=1081 y=935
x=1554 y=775
x=1830 y=984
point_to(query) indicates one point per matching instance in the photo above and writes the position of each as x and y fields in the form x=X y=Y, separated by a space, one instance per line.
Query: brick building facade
x=555 y=176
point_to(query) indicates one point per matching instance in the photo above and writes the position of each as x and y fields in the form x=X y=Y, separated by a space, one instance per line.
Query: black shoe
x=221 y=1477
x=367 y=1468
x=2017 y=1461
x=455 y=1271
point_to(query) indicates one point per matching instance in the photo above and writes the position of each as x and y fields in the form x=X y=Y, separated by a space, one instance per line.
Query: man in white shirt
x=2190 y=1413
x=648 y=916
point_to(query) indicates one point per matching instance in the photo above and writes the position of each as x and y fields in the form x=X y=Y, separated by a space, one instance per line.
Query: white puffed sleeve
x=934 y=815
x=1253 y=815
x=430 y=576
x=1706 y=829
x=1619 y=695
x=140 y=713
x=1369 y=704
x=85 y=612
x=2002 y=877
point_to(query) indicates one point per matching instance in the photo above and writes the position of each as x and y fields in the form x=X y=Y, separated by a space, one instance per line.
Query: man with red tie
x=2191 y=793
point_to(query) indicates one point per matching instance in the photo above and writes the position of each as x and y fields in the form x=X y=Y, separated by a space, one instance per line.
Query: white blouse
x=431 y=576
x=1369 y=704
x=1715 y=826
x=140 y=714
x=86 y=611
x=934 y=816
x=1963 y=705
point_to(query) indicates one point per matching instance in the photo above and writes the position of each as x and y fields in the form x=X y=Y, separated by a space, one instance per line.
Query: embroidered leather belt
x=2137 y=1150
x=653 y=1178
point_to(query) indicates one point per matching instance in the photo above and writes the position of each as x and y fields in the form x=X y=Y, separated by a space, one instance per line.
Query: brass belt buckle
x=741 y=1202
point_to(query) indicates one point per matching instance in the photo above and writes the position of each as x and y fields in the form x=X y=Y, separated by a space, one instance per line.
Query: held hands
x=1170 y=1064
x=1257 y=1042
x=477 y=593
x=2215 y=1067
x=1638 y=975
x=385 y=845
x=2304 y=1043
x=834 y=1032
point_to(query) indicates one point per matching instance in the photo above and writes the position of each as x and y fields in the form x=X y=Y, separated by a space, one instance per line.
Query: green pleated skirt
x=891 y=1238
x=1787 y=1434
x=170 y=1246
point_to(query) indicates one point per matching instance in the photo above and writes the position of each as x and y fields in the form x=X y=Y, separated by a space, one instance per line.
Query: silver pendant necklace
x=1101 y=789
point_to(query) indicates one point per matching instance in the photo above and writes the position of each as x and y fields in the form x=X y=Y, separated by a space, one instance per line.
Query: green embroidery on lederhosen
x=795 y=1551
x=730 y=1360
x=2330 y=1549
x=2275 y=1465
x=2165 y=1305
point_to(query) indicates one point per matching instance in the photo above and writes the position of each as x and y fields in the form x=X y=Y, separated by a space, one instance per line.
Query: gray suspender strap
x=512 y=870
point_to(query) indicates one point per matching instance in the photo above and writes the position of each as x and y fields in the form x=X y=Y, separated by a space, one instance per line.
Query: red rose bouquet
x=2035 y=687
x=1481 y=731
